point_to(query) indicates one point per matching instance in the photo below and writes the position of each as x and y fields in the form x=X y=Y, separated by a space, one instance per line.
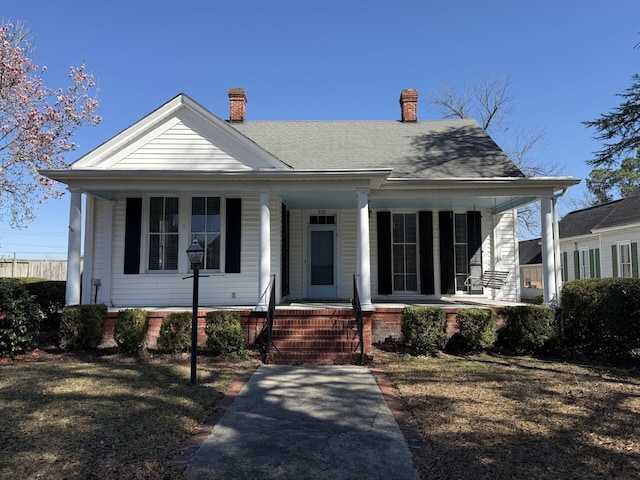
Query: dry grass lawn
x=108 y=417
x=489 y=417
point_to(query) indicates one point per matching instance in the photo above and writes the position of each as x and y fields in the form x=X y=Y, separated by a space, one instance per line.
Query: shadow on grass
x=519 y=417
x=96 y=417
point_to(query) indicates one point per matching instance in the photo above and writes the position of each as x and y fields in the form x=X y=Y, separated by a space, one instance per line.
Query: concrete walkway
x=306 y=422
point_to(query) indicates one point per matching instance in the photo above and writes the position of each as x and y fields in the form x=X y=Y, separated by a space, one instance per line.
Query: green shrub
x=424 y=329
x=477 y=329
x=82 y=326
x=19 y=319
x=602 y=314
x=130 y=331
x=224 y=333
x=175 y=332
x=527 y=328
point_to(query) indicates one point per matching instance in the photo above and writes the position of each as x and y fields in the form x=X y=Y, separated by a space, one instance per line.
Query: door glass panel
x=322 y=257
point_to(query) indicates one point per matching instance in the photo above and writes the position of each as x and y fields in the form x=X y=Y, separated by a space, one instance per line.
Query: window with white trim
x=584 y=264
x=206 y=228
x=461 y=250
x=405 y=252
x=163 y=233
x=624 y=260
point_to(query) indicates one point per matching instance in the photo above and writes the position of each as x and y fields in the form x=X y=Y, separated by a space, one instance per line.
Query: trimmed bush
x=477 y=329
x=424 y=329
x=602 y=314
x=224 y=333
x=527 y=328
x=130 y=331
x=19 y=319
x=175 y=332
x=82 y=326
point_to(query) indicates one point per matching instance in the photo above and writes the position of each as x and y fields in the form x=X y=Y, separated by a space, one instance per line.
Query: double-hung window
x=206 y=228
x=584 y=264
x=625 y=260
x=405 y=276
x=163 y=233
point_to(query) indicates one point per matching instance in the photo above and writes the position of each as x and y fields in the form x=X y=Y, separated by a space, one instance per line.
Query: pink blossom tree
x=37 y=124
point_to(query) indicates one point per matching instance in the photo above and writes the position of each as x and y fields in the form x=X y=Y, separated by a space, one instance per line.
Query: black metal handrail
x=357 y=311
x=267 y=328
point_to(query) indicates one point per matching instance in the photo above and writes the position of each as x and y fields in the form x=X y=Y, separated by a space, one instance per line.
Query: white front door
x=321 y=262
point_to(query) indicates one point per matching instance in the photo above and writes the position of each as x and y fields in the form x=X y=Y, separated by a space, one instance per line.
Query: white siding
x=348 y=250
x=506 y=254
x=180 y=147
x=159 y=289
x=296 y=259
x=99 y=242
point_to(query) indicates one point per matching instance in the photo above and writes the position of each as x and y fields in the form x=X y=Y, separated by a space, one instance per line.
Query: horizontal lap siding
x=506 y=251
x=348 y=261
x=296 y=260
x=183 y=147
x=170 y=289
x=99 y=241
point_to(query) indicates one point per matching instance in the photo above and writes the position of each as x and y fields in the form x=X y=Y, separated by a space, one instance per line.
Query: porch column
x=548 y=250
x=264 y=273
x=556 y=251
x=364 y=256
x=72 y=296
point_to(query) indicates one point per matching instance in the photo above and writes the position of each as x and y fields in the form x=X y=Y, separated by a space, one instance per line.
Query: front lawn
x=520 y=418
x=85 y=417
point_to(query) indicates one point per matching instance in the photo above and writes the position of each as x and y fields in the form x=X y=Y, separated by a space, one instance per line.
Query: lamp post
x=195 y=252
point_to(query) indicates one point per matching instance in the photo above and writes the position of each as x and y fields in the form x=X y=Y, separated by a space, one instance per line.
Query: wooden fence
x=47 y=269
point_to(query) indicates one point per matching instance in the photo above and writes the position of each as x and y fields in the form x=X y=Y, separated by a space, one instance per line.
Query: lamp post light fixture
x=195 y=253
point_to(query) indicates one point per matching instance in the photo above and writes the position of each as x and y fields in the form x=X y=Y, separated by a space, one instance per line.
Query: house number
x=322 y=212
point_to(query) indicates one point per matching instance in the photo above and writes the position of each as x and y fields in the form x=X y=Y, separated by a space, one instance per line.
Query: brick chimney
x=237 y=105
x=409 y=105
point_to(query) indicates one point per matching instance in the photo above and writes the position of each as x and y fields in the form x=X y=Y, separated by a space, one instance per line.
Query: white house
x=602 y=241
x=413 y=208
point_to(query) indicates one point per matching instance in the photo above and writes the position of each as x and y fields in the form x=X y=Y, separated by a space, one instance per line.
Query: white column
x=264 y=273
x=556 y=251
x=87 y=262
x=548 y=267
x=364 y=256
x=73 y=249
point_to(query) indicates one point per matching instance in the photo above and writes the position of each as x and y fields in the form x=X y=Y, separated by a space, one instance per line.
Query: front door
x=321 y=262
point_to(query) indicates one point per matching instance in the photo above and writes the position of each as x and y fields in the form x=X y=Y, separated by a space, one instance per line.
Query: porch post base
x=368 y=307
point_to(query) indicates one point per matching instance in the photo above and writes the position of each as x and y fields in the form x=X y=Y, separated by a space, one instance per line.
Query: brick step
x=313 y=332
x=313 y=322
x=314 y=345
x=318 y=358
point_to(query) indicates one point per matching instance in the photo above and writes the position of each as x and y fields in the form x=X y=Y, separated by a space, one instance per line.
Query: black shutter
x=427 y=282
x=447 y=275
x=233 y=235
x=385 y=285
x=474 y=247
x=284 y=264
x=132 y=236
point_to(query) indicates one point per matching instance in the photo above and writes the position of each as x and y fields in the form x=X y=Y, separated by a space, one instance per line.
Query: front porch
x=315 y=331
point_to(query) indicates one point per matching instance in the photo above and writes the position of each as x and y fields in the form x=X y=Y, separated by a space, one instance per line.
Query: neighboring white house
x=530 y=253
x=414 y=208
x=601 y=241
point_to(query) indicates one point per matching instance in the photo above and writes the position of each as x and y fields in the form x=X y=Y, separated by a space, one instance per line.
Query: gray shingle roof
x=612 y=214
x=530 y=252
x=423 y=149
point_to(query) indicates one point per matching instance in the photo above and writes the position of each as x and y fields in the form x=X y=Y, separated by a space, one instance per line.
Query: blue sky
x=332 y=60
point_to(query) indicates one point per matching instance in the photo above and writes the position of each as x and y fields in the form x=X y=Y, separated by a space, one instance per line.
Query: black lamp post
x=195 y=253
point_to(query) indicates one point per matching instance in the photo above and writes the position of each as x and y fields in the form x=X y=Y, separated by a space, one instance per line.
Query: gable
x=180 y=136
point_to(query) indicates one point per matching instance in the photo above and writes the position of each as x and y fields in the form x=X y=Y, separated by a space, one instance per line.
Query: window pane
x=171 y=214
x=156 y=213
x=155 y=257
x=171 y=252
x=398 y=259
x=212 y=253
x=398 y=283
x=412 y=283
x=213 y=214
x=461 y=259
x=411 y=258
x=197 y=214
x=410 y=228
x=398 y=228
x=461 y=228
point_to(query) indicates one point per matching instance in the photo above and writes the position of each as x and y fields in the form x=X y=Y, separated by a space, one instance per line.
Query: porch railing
x=267 y=328
x=357 y=311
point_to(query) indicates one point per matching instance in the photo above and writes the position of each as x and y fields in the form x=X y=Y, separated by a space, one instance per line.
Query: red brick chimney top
x=237 y=105
x=409 y=105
